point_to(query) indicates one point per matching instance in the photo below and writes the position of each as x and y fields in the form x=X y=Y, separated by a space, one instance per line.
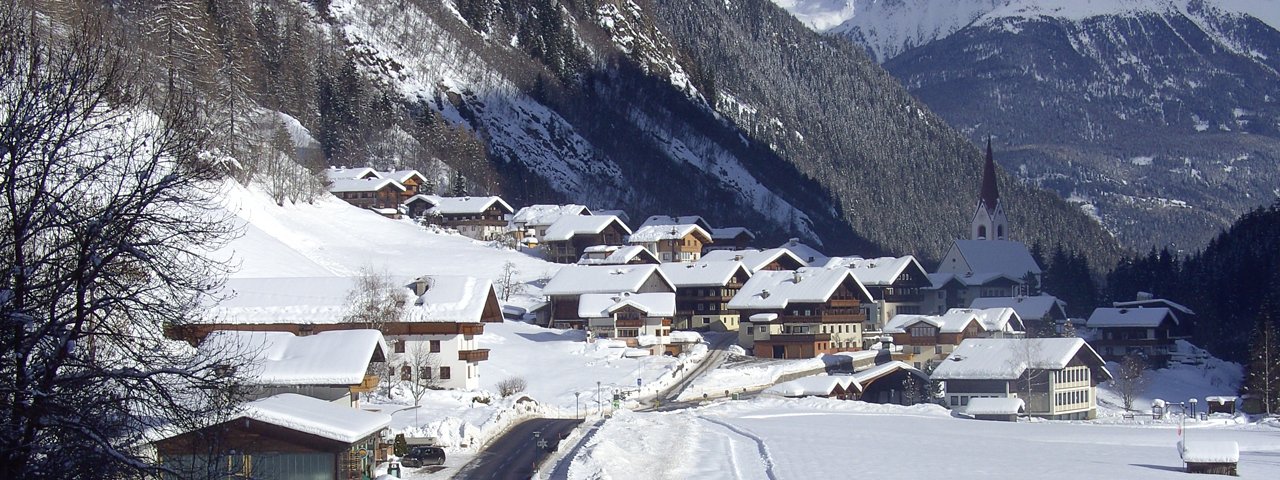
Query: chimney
x=421 y=285
x=795 y=276
x=737 y=258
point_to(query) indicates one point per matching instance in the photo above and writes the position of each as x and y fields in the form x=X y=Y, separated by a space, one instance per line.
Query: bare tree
x=375 y=300
x=511 y=386
x=508 y=283
x=422 y=368
x=106 y=215
x=1033 y=384
x=913 y=391
x=1130 y=380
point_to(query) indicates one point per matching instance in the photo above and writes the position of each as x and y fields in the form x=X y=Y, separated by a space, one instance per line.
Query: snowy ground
x=816 y=438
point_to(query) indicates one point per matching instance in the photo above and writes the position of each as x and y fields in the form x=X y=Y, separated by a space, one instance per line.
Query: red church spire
x=990 y=195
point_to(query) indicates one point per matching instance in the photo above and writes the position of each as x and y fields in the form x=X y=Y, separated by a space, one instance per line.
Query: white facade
x=447 y=369
x=989 y=224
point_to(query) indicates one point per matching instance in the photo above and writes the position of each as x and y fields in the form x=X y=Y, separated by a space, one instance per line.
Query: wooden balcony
x=637 y=323
x=369 y=383
x=799 y=337
x=473 y=355
x=471 y=328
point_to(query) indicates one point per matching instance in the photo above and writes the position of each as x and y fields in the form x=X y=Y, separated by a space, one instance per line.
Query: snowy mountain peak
x=889 y=27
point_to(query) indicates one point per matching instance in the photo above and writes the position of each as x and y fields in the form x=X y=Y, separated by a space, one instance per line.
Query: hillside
x=612 y=103
x=1157 y=116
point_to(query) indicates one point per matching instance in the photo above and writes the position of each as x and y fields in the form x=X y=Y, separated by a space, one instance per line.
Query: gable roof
x=810 y=255
x=542 y=215
x=339 y=357
x=451 y=298
x=316 y=417
x=603 y=305
x=940 y=280
x=621 y=214
x=1035 y=307
x=569 y=226
x=775 y=289
x=429 y=199
x=1148 y=317
x=883 y=271
x=342 y=173
x=616 y=255
x=1155 y=302
x=703 y=274
x=403 y=176
x=999 y=256
x=754 y=259
x=730 y=233
x=677 y=220
x=342 y=185
x=654 y=233
x=817 y=385
x=580 y=279
x=467 y=205
x=1008 y=358
x=956 y=320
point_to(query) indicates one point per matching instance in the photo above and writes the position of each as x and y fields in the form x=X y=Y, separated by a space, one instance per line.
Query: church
x=988 y=264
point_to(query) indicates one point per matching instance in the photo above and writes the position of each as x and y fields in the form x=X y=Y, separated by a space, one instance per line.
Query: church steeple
x=989 y=221
x=990 y=193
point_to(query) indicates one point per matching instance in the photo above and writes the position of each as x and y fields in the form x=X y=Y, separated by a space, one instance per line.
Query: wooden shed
x=1211 y=457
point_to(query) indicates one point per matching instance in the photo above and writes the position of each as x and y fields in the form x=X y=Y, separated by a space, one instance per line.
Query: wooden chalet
x=1041 y=314
x=382 y=195
x=529 y=224
x=801 y=313
x=282 y=436
x=896 y=283
x=481 y=218
x=773 y=259
x=570 y=236
x=639 y=319
x=672 y=243
x=617 y=255
x=566 y=289
x=1057 y=378
x=1151 y=332
x=927 y=339
x=703 y=292
x=730 y=238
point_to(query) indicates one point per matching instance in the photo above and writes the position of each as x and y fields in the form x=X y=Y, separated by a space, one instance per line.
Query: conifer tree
x=1263 y=380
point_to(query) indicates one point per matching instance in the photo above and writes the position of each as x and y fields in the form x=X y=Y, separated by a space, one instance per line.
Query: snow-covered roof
x=956 y=320
x=1220 y=399
x=730 y=233
x=604 y=305
x=1008 y=358
x=819 y=385
x=341 y=185
x=775 y=289
x=881 y=271
x=338 y=357
x=999 y=256
x=451 y=298
x=676 y=220
x=316 y=417
x=621 y=214
x=939 y=280
x=306 y=300
x=683 y=336
x=754 y=259
x=544 y=215
x=1038 y=306
x=430 y=199
x=763 y=317
x=870 y=375
x=1154 y=302
x=703 y=274
x=403 y=176
x=579 y=279
x=614 y=255
x=568 y=226
x=340 y=173
x=1209 y=451
x=1149 y=317
x=654 y=233
x=810 y=255
x=467 y=205
x=995 y=406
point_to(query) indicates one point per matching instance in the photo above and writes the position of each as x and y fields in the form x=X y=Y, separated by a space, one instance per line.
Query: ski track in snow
x=763 y=449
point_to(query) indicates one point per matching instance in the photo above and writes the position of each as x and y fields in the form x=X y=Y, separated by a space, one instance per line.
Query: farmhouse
x=569 y=237
x=703 y=292
x=801 y=313
x=927 y=339
x=529 y=224
x=565 y=291
x=639 y=319
x=329 y=366
x=1150 y=332
x=1057 y=378
x=672 y=243
x=481 y=218
x=895 y=283
x=282 y=436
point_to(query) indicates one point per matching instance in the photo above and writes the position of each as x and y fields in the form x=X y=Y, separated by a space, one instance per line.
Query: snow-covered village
x=639 y=239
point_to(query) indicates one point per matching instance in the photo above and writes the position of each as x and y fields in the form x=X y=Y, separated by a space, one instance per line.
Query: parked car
x=419 y=456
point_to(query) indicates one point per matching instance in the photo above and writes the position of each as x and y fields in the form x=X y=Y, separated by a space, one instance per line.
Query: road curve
x=516 y=454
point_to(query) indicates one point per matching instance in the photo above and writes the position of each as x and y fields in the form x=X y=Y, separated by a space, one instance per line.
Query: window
x=982 y=231
x=751 y=330
x=444 y=373
x=937 y=349
x=916 y=351
x=706 y=320
x=399 y=346
x=406 y=373
x=435 y=346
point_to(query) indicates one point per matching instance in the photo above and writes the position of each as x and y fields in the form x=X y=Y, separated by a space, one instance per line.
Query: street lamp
x=1193 y=407
x=575 y=404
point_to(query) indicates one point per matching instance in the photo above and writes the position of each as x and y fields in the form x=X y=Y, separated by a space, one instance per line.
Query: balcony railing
x=473 y=355
x=799 y=337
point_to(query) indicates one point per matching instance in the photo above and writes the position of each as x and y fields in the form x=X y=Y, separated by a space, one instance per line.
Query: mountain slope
x=1158 y=116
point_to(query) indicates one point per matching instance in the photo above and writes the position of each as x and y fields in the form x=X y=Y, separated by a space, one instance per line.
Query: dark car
x=419 y=456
